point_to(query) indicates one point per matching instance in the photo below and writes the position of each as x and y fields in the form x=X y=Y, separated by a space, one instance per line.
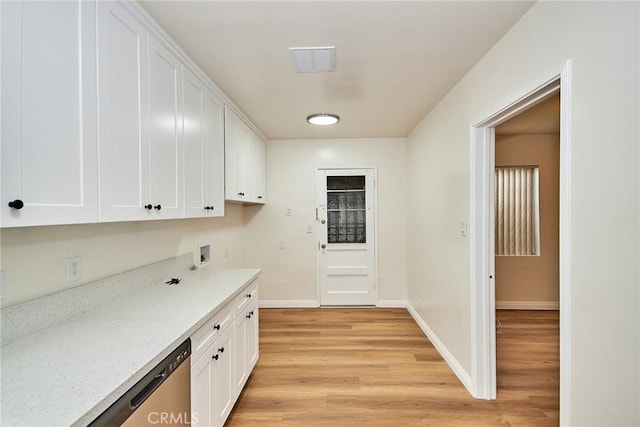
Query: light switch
x=287 y=211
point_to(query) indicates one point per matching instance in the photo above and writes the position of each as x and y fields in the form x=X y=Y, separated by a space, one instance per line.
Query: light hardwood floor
x=375 y=367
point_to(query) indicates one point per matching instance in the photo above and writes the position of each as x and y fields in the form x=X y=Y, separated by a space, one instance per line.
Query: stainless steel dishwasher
x=161 y=397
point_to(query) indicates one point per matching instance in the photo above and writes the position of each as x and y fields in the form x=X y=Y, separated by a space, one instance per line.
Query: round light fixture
x=323 y=119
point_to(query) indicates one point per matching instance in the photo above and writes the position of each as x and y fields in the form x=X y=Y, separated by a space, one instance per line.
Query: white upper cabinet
x=214 y=154
x=231 y=142
x=105 y=119
x=140 y=101
x=165 y=166
x=258 y=171
x=244 y=161
x=48 y=113
x=203 y=141
x=123 y=67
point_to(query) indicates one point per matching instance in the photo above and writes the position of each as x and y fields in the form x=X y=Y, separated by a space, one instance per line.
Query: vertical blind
x=516 y=190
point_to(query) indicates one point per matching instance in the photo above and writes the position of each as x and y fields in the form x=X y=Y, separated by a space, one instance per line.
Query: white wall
x=289 y=274
x=33 y=258
x=602 y=41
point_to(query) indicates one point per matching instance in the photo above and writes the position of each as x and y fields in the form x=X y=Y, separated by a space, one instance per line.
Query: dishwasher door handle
x=139 y=398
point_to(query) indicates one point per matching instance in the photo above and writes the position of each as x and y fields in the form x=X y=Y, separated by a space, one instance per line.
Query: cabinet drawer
x=210 y=331
x=246 y=296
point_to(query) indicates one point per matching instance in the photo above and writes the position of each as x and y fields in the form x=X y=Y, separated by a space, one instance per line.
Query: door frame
x=374 y=172
x=482 y=245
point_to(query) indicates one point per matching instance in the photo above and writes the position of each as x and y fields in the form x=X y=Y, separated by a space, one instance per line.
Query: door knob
x=16 y=204
x=323 y=245
x=322 y=221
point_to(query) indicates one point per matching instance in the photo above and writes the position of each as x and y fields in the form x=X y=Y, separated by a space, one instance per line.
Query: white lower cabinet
x=247 y=343
x=219 y=372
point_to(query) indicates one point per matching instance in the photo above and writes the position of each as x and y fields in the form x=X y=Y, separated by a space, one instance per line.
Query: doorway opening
x=483 y=269
x=526 y=192
x=346 y=234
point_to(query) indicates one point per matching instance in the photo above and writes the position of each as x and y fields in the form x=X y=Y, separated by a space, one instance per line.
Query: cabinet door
x=165 y=167
x=194 y=99
x=231 y=142
x=258 y=170
x=123 y=47
x=48 y=113
x=222 y=373
x=203 y=150
x=202 y=390
x=214 y=154
x=241 y=373
x=243 y=149
x=253 y=330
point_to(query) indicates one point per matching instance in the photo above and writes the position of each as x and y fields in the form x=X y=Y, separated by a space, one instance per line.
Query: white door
x=346 y=237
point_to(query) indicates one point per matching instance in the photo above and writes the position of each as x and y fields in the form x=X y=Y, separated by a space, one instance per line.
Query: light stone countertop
x=69 y=373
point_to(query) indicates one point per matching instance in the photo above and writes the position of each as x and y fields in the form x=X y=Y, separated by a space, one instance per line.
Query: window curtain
x=515 y=189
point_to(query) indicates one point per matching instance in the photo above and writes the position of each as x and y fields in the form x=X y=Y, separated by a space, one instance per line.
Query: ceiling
x=394 y=59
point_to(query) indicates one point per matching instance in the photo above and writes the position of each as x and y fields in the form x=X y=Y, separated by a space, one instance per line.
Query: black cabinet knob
x=240 y=194
x=16 y=204
x=148 y=207
x=206 y=208
x=248 y=316
x=259 y=197
x=216 y=327
x=215 y=357
x=157 y=207
x=248 y=295
x=221 y=350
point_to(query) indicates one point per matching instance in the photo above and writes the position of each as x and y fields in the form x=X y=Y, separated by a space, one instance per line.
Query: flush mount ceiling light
x=323 y=119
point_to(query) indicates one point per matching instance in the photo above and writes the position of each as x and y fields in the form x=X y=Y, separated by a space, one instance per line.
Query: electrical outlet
x=287 y=211
x=73 y=269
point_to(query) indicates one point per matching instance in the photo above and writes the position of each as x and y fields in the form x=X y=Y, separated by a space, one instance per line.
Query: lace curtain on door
x=346 y=209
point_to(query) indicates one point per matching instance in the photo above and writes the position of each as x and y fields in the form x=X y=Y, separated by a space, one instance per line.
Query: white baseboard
x=392 y=303
x=527 y=305
x=457 y=369
x=289 y=304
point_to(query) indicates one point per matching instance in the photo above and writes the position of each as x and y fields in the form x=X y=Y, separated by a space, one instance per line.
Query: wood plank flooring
x=375 y=367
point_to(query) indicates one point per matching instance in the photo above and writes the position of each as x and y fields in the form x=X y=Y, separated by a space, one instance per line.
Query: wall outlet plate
x=73 y=267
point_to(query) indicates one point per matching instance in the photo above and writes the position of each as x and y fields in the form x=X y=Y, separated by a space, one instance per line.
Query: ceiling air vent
x=314 y=59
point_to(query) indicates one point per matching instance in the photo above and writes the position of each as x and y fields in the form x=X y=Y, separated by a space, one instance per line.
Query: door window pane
x=346 y=209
